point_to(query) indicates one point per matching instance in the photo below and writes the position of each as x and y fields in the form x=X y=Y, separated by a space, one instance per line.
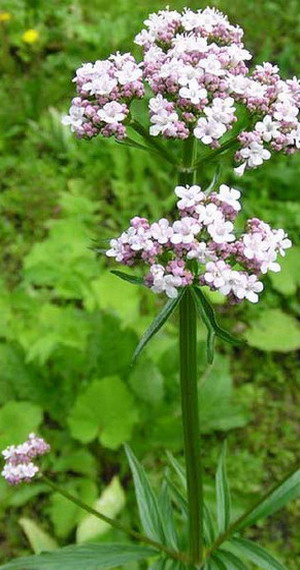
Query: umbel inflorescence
x=202 y=247
x=19 y=466
x=197 y=68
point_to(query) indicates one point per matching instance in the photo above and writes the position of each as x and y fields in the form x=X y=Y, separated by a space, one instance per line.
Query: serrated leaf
x=274 y=331
x=39 y=539
x=129 y=278
x=110 y=503
x=206 y=309
x=89 y=557
x=157 y=323
x=277 y=498
x=223 y=494
x=147 y=502
x=231 y=561
x=256 y=554
x=105 y=410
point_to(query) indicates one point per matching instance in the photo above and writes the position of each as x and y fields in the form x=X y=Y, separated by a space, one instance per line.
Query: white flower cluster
x=18 y=459
x=201 y=246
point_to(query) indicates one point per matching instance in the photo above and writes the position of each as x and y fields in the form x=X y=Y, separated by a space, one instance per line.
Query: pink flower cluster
x=201 y=246
x=18 y=459
x=105 y=90
x=196 y=66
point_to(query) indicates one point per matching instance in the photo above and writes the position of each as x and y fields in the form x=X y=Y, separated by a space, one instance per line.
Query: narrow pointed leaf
x=231 y=561
x=178 y=497
x=256 y=554
x=149 y=512
x=223 y=494
x=167 y=516
x=218 y=564
x=206 y=308
x=208 y=526
x=157 y=323
x=210 y=342
x=89 y=557
x=127 y=277
x=178 y=468
x=284 y=492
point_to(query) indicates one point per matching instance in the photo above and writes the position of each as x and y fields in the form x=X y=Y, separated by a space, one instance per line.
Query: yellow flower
x=30 y=36
x=5 y=16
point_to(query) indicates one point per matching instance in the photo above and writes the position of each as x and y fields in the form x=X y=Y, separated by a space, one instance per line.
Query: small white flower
x=166 y=284
x=209 y=130
x=255 y=154
x=200 y=252
x=286 y=111
x=233 y=282
x=212 y=65
x=102 y=85
x=162 y=122
x=221 y=231
x=185 y=230
x=240 y=170
x=75 y=119
x=267 y=128
x=129 y=72
x=230 y=196
x=209 y=214
x=222 y=110
x=193 y=92
x=112 y=113
x=161 y=231
x=214 y=274
x=190 y=196
x=187 y=73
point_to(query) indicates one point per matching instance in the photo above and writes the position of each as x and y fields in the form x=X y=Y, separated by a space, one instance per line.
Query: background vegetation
x=68 y=328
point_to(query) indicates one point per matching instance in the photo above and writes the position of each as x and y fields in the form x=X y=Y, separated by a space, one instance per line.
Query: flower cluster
x=201 y=246
x=197 y=68
x=18 y=459
x=105 y=90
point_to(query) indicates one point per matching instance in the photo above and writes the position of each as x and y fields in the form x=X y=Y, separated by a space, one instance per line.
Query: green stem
x=160 y=149
x=113 y=523
x=189 y=392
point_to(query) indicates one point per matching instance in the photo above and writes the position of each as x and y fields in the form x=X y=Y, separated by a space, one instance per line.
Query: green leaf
x=39 y=540
x=287 y=280
x=105 y=410
x=231 y=561
x=64 y=514
x=147 y=502
x=178 y=468
x=256 y=554
x=205 y=308
x=157 y=323
x=89 y=557
x=274 y=331
x=127 y=277
x=218 y=564
x=17 y=420
x=223 y=494
x=110 y=503
x=147 y=382
x=109 y=293
x=208 y=525
x=167 y=516
x=277 y=498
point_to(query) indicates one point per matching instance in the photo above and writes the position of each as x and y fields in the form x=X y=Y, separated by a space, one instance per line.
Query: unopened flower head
x=201 y=246
x=18 y=459
x=197 y=67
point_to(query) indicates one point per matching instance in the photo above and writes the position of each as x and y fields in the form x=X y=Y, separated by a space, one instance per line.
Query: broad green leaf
x=64 y=514
x=39 y=539
x=17 y=420
x=256 y=554
x=87 y=557
x=206 y=308
x=110 y=503
x=167 y=516
x=157 y=323
x=287 y=280
x=112 y=294
x=222 y=494
x=277 y=498
x=231 y=561
x=147 y=382
x=274 y=331
x=127 y=277
x=147 y=502
x=105 y=410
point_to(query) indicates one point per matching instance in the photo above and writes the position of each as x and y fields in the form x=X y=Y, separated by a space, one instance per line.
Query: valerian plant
x=206 y=98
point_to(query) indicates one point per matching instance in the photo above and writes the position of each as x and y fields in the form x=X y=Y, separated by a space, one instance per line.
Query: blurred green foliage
x=69 y=328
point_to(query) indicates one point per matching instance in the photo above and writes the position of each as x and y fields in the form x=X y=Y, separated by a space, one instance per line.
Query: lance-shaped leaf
x=216 y=563
x=208 y=526
x=223 y=494
x=256 y=554
x=157 y=323
x=89 y=557
x=127 y=277
x=210 y=342
x=205 y=307
x=167 y=516
x=277 y=498
x=149 y=511
x=231 y=561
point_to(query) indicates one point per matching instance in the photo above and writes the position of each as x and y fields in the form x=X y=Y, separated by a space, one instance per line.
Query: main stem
x=189 y=397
